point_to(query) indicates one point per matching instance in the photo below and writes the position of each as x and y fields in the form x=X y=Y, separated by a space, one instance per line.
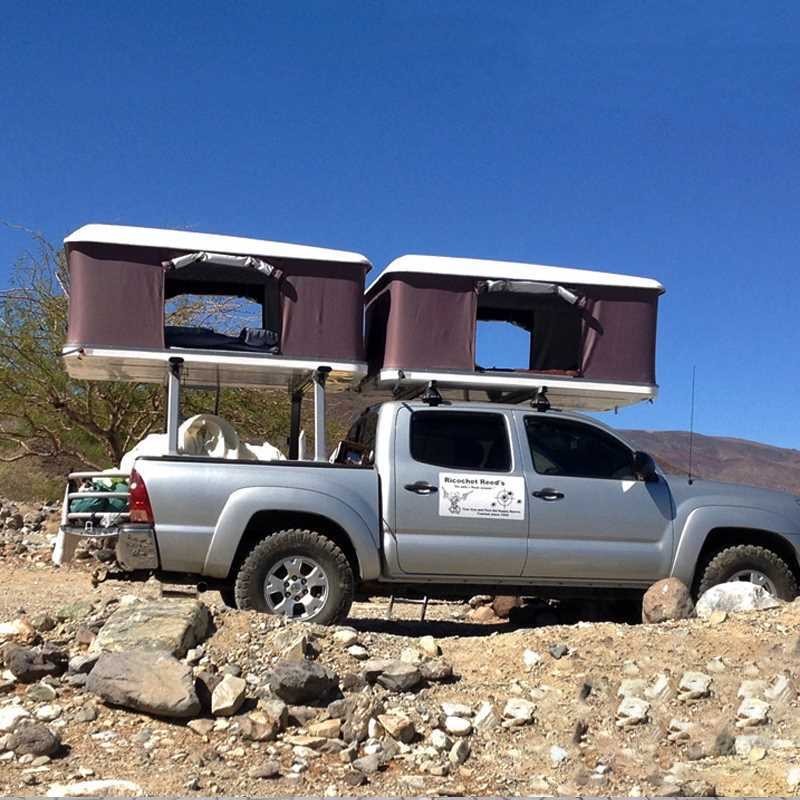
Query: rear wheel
x=299 y=574
x=753 y=564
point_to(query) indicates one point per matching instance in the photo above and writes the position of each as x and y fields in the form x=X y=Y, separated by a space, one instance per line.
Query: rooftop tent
x=592 y=334
x=121 y=277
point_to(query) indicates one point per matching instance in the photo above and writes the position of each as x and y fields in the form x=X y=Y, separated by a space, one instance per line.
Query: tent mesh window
x=217 y=299
x=550 y=316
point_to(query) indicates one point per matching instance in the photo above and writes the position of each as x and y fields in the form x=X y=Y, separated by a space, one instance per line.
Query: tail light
x=139 y=500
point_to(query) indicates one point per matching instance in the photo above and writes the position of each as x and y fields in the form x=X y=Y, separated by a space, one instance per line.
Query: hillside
x=723 y=459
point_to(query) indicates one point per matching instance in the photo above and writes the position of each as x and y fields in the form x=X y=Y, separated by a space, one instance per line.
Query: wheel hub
x=296 y=587
x=757 y=577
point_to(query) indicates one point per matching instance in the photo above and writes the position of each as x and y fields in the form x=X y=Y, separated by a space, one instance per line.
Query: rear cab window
x=358 y=447
x=461 y=440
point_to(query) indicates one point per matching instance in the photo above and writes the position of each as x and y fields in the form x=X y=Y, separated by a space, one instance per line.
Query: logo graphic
x=504 y=498
x=455 y=499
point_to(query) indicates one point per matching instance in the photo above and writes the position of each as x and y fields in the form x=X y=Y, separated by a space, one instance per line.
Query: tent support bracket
x=294 y=424
x=318 y=378
x=173 y=404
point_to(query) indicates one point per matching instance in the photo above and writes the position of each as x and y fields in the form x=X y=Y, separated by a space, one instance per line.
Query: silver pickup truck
x=457 y=497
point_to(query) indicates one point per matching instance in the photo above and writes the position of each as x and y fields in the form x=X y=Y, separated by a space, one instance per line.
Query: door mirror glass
x=644 y=467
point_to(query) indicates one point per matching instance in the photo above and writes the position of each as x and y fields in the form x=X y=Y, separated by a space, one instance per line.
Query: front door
x=590 y=518
x=460 y=498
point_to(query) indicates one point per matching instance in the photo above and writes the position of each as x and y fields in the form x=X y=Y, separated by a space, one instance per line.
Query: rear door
x=460 y=499
x=590 y=518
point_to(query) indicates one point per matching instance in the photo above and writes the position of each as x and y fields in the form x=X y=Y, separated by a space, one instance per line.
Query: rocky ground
x=107 y=679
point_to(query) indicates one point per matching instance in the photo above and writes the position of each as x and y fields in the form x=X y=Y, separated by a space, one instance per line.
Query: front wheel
x=747 y=562
x=299 y=574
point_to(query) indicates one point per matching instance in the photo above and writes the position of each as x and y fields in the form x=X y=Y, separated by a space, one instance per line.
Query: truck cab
x=479 y=490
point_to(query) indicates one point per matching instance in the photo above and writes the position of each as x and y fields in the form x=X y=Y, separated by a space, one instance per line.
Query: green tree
x=42 y=411
x=46 y=415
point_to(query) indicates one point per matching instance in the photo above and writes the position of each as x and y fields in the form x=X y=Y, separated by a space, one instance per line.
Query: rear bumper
x=135 y=545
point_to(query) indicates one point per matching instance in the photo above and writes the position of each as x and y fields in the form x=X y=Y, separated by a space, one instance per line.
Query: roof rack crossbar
x=512 y=398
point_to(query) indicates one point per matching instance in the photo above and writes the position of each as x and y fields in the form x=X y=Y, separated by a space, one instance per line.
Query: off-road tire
x=740 y=557
x=250 y=578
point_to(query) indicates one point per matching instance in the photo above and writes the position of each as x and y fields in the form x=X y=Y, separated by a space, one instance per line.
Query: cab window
x=462 y=440
x=359 y=444
x=572 y=449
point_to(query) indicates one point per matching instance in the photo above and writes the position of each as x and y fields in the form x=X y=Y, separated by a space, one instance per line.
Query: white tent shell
x=485 y=269
x=192 y=241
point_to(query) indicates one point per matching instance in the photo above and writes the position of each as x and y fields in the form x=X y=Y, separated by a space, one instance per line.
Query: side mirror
x=644 y=467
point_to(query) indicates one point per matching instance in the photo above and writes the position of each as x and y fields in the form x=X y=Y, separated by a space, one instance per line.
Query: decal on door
x=470 y=495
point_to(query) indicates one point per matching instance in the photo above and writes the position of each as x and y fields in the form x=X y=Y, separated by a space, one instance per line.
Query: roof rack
x=509 y=387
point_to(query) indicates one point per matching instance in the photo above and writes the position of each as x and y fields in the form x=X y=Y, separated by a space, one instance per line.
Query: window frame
x=596 y=429
x=506 y=427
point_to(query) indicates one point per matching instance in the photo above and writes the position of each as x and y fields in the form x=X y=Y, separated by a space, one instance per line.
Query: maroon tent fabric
x=424 y=322
x=619 y=335
x=322 y=310
x=117 y=296
x=428 y=322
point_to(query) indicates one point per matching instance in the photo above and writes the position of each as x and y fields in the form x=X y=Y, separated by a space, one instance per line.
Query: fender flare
x=702 y=521
x=243 y=504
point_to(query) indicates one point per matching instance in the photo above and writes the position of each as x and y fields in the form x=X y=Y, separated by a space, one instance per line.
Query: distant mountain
x=722 y=459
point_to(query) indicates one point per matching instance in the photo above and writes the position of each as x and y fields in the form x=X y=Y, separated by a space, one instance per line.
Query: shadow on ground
x=627 y=609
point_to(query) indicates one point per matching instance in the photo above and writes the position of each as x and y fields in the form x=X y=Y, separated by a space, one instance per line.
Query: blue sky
x=660 y=139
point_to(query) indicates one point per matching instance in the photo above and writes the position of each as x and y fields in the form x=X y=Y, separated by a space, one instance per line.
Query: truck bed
x=203 y=506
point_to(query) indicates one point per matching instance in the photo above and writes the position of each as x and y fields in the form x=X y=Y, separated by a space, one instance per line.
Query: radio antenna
x=691 y=425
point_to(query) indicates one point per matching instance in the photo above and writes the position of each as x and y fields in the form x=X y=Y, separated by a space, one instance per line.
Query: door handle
x=548 y=494
x=421 y=487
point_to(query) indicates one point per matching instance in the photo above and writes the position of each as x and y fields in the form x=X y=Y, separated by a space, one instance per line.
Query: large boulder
x=30 y=664
x=204 y=684
x=400 y=677
x=155 y=683
x=228 y=696
x=166 y=625
x=11 y=715
x=357 y=711
x=258 y=727
x=34 y=739
x=302 y=682
x=667 y=600
x=733 y=597
x=504 y=604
